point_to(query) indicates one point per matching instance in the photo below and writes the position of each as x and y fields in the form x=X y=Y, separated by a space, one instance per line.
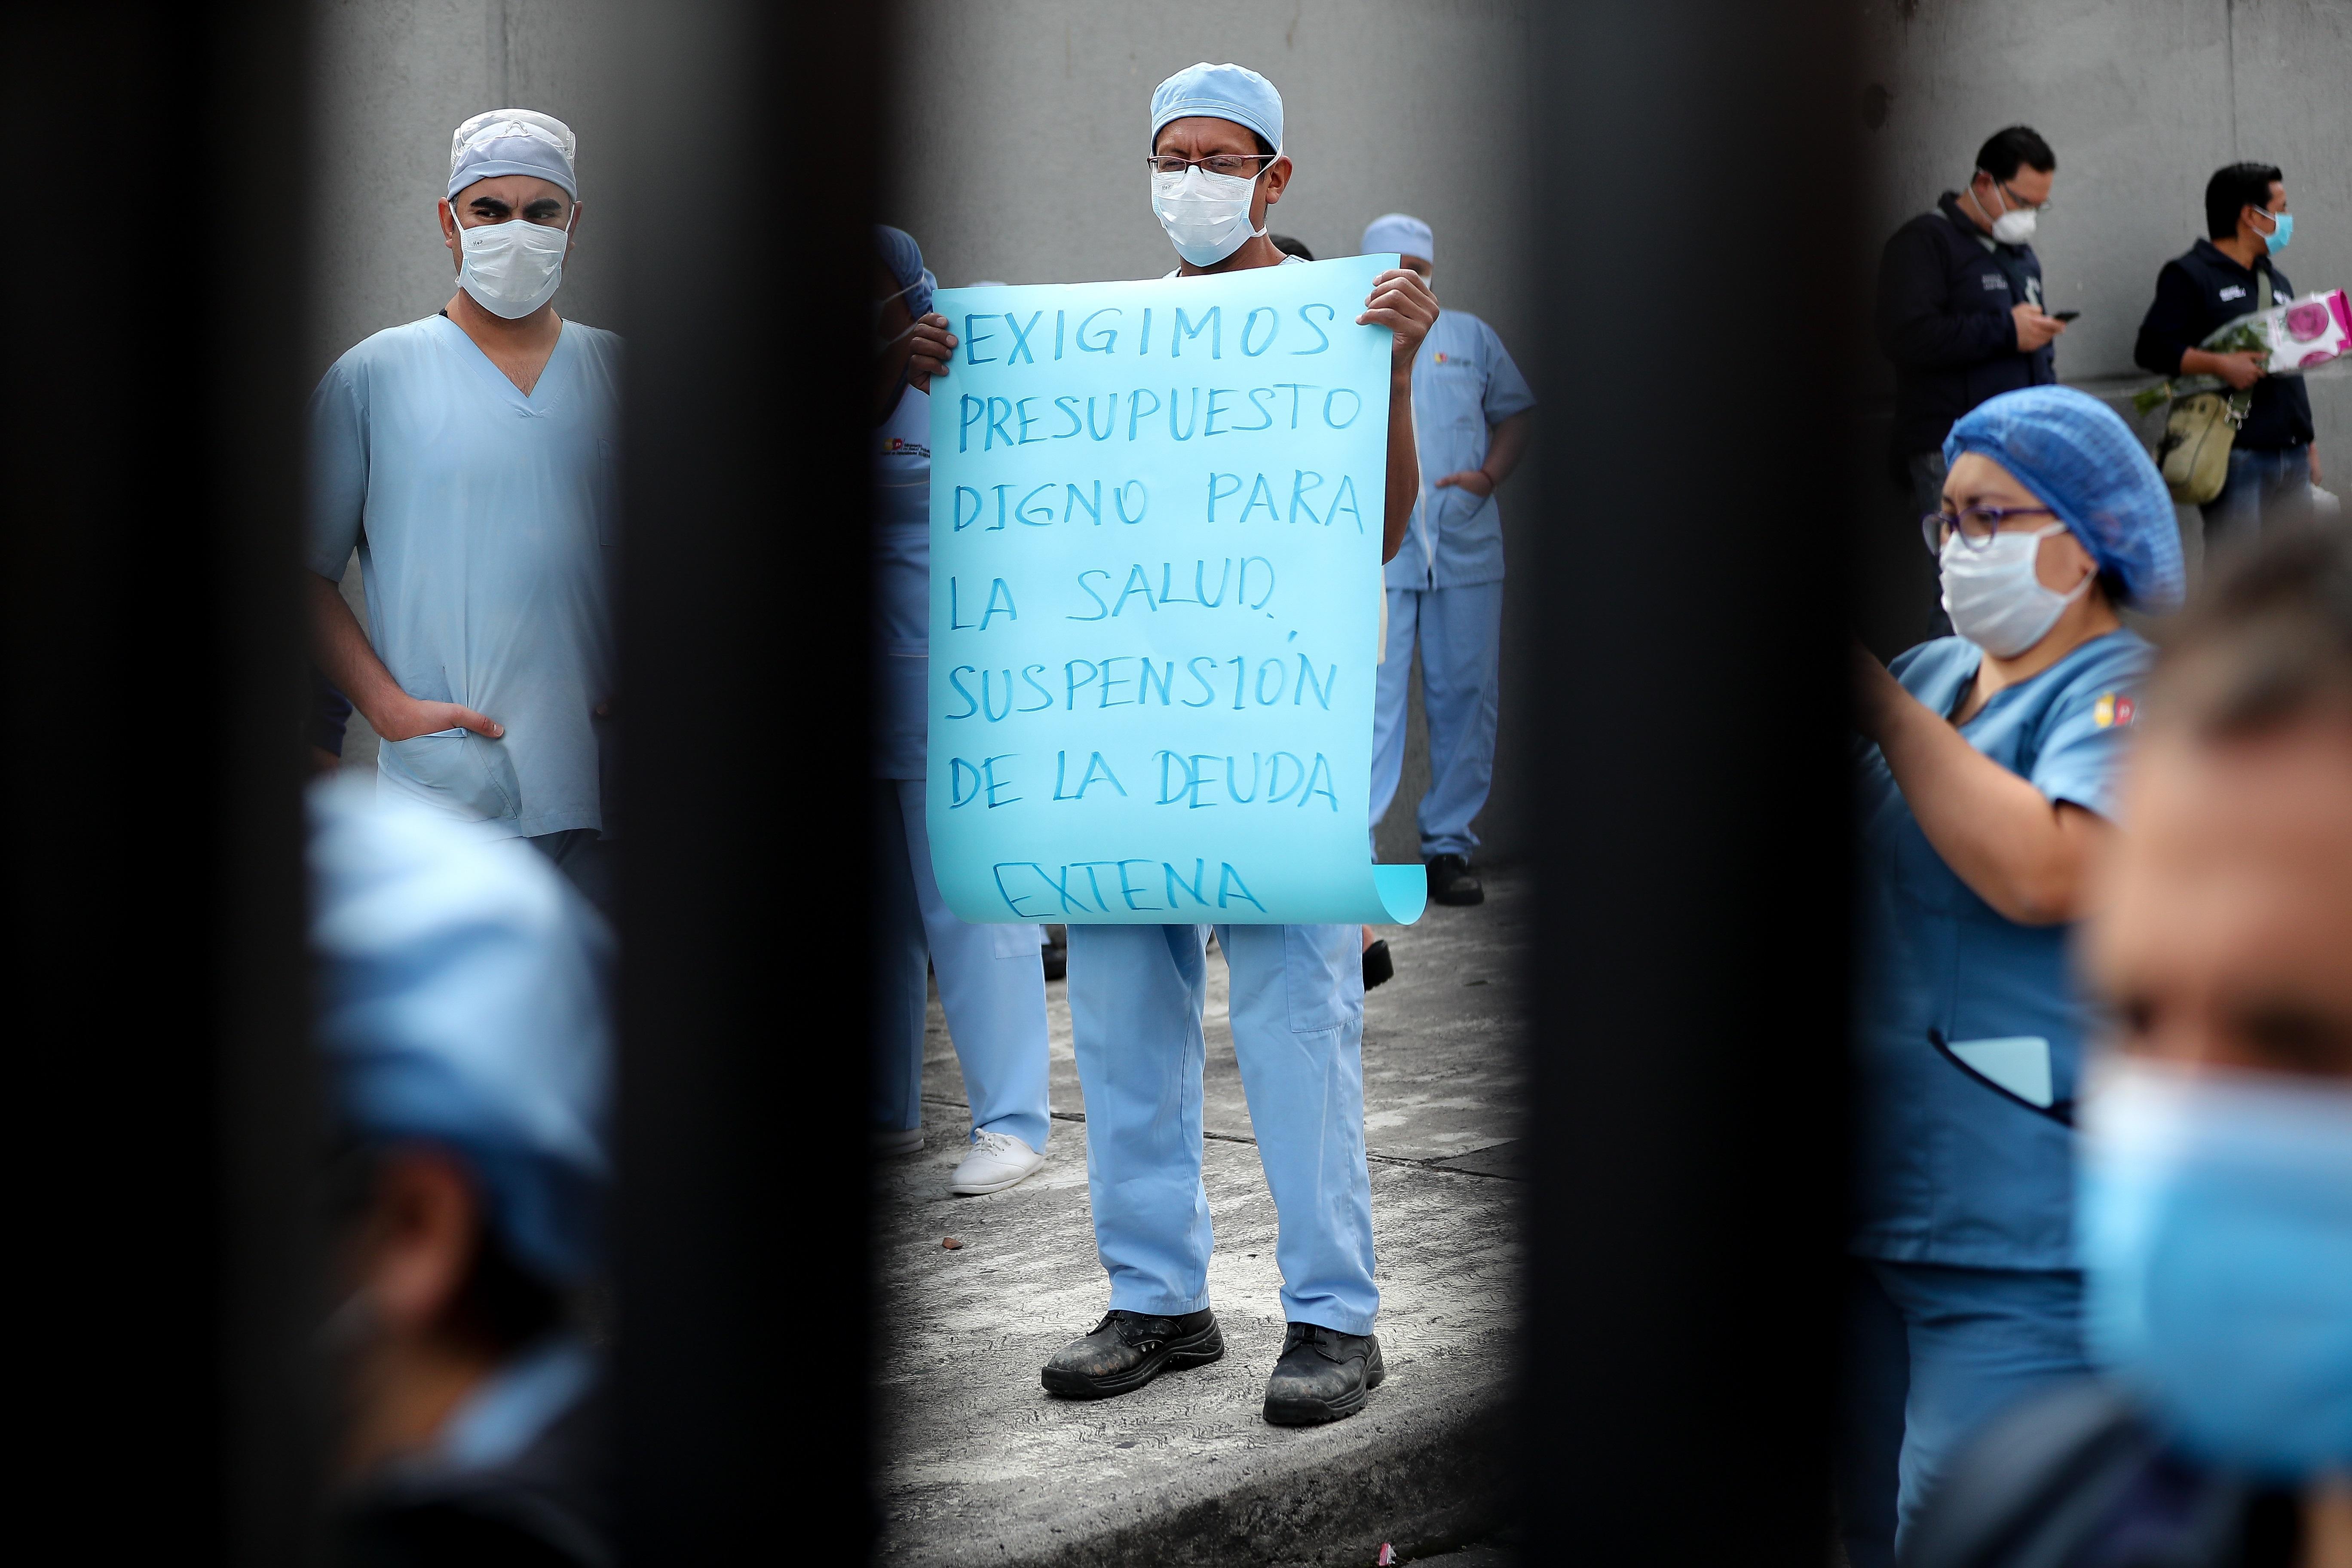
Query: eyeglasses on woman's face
x=1976 y=525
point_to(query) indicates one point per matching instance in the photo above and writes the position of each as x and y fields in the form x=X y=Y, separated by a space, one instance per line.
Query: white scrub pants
x=1298 y=1006
x=991 y=987
x=1461 y=636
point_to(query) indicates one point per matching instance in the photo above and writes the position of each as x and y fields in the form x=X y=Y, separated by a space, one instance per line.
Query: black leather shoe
x=1379 y=967
x=1451 y=880
x=1127 y=1350
x=1322 y=1376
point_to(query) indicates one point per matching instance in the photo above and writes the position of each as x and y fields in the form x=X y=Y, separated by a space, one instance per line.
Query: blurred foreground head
x=462 y=1017
x=2216 y=1212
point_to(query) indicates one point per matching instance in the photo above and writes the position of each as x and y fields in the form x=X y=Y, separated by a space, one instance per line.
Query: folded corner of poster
x=1404 y=892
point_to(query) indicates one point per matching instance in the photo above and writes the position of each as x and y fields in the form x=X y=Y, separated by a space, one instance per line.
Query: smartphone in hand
x=2063 y=315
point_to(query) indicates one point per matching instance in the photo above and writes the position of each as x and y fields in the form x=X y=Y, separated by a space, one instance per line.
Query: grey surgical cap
x=513 y=142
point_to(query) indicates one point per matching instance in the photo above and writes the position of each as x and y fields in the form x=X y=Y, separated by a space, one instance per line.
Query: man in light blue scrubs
x=1137 y=992
x=992 y=978
x=1987 y=779
x=1474 y=415
x=471 y=456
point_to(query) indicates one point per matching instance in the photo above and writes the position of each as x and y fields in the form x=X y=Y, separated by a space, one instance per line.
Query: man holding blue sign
x=1137 y=990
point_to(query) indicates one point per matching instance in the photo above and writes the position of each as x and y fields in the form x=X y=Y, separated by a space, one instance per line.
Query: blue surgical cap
x=462 y=1007
x=513 y=142
x=904 y=259
x=2078 y=456
x=1400 y=232
x=1220 y=92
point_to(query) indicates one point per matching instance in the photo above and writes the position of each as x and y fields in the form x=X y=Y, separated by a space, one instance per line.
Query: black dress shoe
x=1322 y=1376
x=1127 y=1350
x=1451 y=880
x=1377 y=966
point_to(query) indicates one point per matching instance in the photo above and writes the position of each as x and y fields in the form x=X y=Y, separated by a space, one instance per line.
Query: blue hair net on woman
x=904 y=258
x=2082 y=461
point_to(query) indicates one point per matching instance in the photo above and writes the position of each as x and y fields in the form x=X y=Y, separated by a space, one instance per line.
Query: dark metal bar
x=150 y=462
x=1685 y=699
x=744 y=1309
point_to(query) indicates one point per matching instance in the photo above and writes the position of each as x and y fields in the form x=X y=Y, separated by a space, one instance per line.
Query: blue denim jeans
x=2264 y=490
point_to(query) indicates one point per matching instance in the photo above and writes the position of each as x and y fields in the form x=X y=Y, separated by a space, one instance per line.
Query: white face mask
x=1993 y=596
x=512 y=269
x=1207 y=216
x=2015 y=224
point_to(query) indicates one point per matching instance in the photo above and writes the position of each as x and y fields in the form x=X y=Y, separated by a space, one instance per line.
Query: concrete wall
x=2142 y=99
x=1021 y=128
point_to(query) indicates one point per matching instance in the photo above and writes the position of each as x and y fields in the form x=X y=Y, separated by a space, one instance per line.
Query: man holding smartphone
x=1960 y=308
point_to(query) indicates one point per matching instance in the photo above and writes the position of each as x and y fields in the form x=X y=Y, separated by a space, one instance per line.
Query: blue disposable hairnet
x=904 y=259
x=1220 y=92
x=462 y=1006
x=513 y=142
x=2082 y=461
x=1400 y=232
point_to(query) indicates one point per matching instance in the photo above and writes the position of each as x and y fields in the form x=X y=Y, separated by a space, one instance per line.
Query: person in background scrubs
x=992 y=977
x=1137 y=992
x=1473 y=414
x=1986 y=779
x=463 y=1021
x=472 y=458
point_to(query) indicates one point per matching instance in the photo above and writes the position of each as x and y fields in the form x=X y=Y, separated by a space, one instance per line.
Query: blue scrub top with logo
x=1464 y=383
x=1951 y=1169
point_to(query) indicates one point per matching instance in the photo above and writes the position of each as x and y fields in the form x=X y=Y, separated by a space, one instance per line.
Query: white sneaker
x=889 y=1140
x=997 y=1160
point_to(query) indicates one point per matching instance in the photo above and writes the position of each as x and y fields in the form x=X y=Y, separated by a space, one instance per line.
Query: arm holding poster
x=1154 y=594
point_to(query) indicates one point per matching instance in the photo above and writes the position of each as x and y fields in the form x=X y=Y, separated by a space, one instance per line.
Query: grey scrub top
x=485 y=520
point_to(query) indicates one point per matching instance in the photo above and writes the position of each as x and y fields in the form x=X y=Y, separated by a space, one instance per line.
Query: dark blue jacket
x=2201 y=291
x=1945 y=294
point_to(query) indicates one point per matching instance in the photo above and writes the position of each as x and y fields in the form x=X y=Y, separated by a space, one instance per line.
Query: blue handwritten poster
x=1155 y=601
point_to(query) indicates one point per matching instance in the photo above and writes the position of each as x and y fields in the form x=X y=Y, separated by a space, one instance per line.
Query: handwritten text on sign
x=1156 y=519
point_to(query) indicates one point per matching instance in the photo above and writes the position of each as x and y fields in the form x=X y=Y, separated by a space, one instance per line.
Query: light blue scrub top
x=902 y=586
x=485 y=521
x=1952 y=1170
x=1464 y=383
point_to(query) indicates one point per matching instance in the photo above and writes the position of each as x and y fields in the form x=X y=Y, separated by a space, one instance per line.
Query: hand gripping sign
x=1155 y=601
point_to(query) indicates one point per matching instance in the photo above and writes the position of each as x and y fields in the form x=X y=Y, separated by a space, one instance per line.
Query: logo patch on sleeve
x=2112 y=710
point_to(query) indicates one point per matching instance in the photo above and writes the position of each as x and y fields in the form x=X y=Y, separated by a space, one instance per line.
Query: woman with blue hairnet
x=1985 y=779
x=992 y=978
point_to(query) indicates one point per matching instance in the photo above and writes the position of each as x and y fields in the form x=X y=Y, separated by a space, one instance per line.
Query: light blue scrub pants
x=1461 y=634
x=1297 y=1008
x=1932 y=1354
x=991 y=987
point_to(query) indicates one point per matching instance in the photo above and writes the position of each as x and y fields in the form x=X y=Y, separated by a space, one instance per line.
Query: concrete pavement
x=978 y=1465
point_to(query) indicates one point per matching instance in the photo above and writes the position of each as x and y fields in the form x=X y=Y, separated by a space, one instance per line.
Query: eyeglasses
x=2016 y=203
x=1232 y=165
x=1976 y=525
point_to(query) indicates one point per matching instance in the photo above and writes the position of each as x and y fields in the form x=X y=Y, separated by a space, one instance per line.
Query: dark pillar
x=162 y=1117
x=1695 y=167
x=743 y=216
